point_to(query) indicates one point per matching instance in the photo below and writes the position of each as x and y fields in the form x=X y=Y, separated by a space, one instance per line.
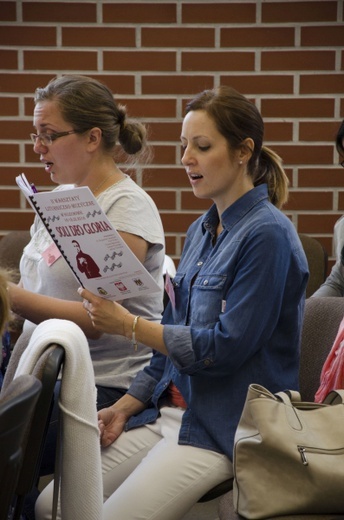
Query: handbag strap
x=289 y=396
x=334 y=397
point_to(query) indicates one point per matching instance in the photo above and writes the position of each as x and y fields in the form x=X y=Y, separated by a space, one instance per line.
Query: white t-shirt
x=130 y=209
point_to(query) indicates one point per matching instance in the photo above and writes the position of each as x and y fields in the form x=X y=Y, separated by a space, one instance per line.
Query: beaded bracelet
x=133 y=337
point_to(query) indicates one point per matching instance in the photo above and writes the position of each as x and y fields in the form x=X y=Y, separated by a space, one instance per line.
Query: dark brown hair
x=237 y=119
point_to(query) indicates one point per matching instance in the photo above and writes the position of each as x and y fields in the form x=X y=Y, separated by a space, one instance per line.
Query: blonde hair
x=5 y=308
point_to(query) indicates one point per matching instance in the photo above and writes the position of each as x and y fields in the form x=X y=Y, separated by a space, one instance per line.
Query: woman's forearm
x=112 y=318
x=143 y=331
x=38 y=308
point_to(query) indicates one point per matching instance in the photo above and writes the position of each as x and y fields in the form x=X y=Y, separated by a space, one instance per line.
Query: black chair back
x=17 y=407
x=47 y=371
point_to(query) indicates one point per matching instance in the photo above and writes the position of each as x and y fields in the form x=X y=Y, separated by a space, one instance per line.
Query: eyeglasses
x=48 y=139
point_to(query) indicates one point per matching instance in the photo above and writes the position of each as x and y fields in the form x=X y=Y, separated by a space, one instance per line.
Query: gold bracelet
x=133 y=337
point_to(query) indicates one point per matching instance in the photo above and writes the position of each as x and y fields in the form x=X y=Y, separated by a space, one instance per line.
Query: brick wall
x=287 y=56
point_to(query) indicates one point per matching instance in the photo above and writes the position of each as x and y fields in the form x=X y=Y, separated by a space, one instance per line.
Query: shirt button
x=205 y=282
x=199 y=263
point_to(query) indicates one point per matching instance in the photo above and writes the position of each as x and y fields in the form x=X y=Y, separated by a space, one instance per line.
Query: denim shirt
x=239 y=302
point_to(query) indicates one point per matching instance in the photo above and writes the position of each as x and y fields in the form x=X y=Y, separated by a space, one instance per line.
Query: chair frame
x=17 y=407
x=29 y=475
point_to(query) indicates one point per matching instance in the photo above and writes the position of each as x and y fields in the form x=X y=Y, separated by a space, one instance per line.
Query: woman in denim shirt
x=234 y=318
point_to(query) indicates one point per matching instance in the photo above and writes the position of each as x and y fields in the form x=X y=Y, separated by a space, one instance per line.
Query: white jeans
x=147 y=475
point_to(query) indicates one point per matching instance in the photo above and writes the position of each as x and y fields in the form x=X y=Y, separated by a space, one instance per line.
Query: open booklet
x=95 y=252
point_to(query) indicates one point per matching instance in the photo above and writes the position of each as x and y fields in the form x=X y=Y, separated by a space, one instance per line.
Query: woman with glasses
x=80 y=129
x=334 y=283
x=234 y=318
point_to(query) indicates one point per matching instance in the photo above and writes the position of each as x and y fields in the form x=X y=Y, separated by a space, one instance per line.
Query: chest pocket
x=207 y=294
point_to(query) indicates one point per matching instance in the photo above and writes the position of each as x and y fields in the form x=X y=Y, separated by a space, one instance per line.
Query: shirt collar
x=235 y=211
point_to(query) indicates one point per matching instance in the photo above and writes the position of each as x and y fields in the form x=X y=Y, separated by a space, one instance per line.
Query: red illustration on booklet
x=95 y=252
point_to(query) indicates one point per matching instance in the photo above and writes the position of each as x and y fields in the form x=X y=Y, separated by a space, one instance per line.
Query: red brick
x=298 y=60
x=323 y=36
x=177 y=222
x=9 y=198
x=165 y=177
x=257 y=37
x=300 y=107
x=318 y=131
x=276 y=131
x=8 y=106
x=184 y=84
x=177 y=37
x=10 y=220
x=341 y=200
x=8 y=11
x=289 y=174
x=190 y=202
x=60 y=60
x=327 y=244
x=25 y=82
x=260 y=84
x=163 y=199
x=309 y=201
x=212 y=12
x=30 y=155
x=70 y=12
x=321 y=177
x=8 y=59
x=276 y=12
x=98 y=36
x=15 y=129
x=139 y=60
x=29 y=105
x=119 y=84
x=28 y=36
x=170 y=243
x=218 y=61
x=322 y=83
x=304 y=154
x=153 y=107
x=9 y=152
x=164 y=154
x=164 y=131
x=35 y=174
x=317 y=223
x=139 y=13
